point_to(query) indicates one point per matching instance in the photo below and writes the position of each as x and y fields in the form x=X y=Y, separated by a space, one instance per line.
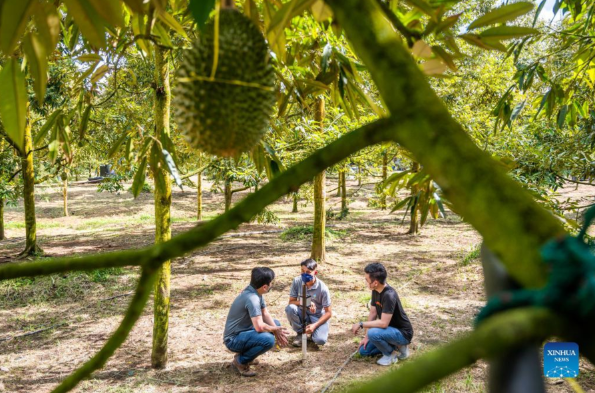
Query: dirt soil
x=436 y=274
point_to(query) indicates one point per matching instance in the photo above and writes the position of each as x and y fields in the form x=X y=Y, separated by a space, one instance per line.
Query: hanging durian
x=227 y=113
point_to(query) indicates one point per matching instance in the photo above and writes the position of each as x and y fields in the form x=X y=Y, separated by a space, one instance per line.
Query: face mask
x=307 y=277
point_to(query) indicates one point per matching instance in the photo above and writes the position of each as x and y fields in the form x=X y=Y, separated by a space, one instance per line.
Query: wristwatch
x=361 y=325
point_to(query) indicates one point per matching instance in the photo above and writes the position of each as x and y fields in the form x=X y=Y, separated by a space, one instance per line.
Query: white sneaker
x=403 y=351
x=388 y=360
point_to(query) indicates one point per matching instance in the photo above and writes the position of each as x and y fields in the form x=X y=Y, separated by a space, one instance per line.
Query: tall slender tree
x=318 y=236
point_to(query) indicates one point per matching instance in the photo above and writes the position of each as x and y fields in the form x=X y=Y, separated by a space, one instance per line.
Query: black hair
x=310 y=264
x=377 y=272
x=261 y=276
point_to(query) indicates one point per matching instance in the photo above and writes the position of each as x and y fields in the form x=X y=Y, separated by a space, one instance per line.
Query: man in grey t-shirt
x=250 y=330
x=319 y=312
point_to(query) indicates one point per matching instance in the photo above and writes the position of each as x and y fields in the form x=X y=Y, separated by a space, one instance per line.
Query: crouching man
x=250 y=330
x=388 y=330
x=319 y=312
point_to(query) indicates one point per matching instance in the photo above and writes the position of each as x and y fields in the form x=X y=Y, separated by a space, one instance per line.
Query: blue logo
x=560 y=360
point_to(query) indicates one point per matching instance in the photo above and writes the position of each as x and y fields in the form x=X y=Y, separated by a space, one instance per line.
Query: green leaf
x=423 y=7
x=115 y=147
x=13 y=102
x=139 y=177
x=49 y=123
x=38 y=64
x=15 y=15
x=400 y=204
x=89 y=57
x=47 y=22
x=562 y=115
x=478 y=41
x=538 y=12
x=287 y=12
x=502 y=14
x=163 y=35
x=507 y=32
x=445 y=56
x=201 y=9
x=88 y=21
x=170 y=21
x=110 y=10
x=99 y=73
x=84 y=123
x=135 y=5
x=172 y=169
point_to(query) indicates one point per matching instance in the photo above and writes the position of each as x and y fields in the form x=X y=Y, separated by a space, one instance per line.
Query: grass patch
x=304 y=232
x=40 y=225
x=472 y=255
x=58 y=287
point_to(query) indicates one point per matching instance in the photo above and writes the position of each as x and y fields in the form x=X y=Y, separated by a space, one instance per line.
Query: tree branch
x=135 y=309
x=194 y=172
x=575 y=181
x=240 y=189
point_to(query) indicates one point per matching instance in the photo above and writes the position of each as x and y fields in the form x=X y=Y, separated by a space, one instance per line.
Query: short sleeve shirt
x=247 y=305
x=319 y=293
x=388 y=302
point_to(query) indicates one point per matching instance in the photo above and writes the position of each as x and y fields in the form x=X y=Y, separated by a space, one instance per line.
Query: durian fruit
x=230 y=114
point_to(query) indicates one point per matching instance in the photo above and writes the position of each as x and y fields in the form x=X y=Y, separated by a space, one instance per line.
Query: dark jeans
x=250 y=344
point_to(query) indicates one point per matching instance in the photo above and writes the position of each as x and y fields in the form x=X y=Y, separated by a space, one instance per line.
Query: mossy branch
x=495 y=337
x=135 y=309
x=199 y=236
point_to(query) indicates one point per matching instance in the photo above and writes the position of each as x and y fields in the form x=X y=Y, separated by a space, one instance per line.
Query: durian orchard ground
x=438 y=279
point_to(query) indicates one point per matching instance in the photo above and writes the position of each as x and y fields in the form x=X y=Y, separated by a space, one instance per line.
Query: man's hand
x=281 y=334
x=310 y=328
x=364 y=342
x=355 y=327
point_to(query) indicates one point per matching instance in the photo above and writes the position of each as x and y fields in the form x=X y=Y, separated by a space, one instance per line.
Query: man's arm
x=328 y=313
x=266 y=317
x=371 y=318
x=265 y=323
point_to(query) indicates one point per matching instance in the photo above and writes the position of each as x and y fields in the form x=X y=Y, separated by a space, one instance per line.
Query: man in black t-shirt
x=388 y=330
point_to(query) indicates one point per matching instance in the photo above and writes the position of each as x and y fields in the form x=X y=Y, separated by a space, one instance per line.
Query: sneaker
x=403 y=351
x=243 y=369
x=388 y=360
x=297 y=341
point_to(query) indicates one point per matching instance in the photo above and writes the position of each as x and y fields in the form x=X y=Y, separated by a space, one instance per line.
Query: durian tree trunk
x=65 y=193
x=228 y=194
x=199 y=197
x=162 y=213
x=28 y=172
x=1 y=218
x=295 y=203
x=384 y=177
x=414 y=224
x=318 y=240
x=343 y=192
x=339 y=185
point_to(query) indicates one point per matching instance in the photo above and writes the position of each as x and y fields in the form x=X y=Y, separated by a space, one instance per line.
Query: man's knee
x=291 y=309
x=375 y=333
x=320 y=341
